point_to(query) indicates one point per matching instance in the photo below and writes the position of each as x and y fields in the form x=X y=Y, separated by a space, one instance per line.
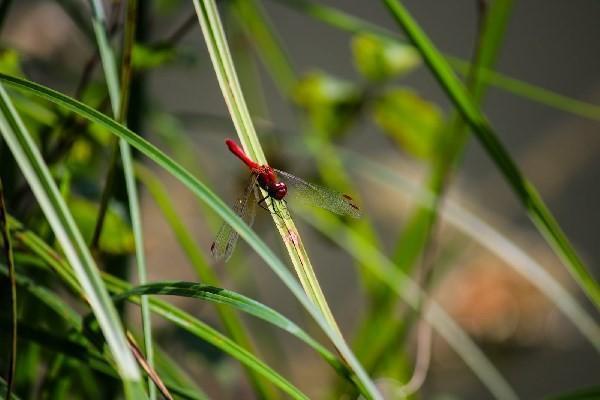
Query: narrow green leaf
x=198 y=189
x=241 y=302
x=77 y=345
x=119 y=100
x=214 y=35
x=410 y=120
x=45 y=191
x=412 y=294
x=489 y=238
x=529 y=197
x=7 y=249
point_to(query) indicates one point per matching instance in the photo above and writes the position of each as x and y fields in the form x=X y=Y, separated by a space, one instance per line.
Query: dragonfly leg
x=277 y=211
x=261 y=201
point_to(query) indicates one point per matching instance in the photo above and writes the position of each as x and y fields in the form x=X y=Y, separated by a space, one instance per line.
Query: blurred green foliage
x=379 y=59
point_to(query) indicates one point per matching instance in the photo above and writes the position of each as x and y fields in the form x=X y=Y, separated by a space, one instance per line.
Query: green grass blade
x=524 y=190
x=241 y=302
x=218 y=48
x=107 y=56
x=385 y=270
x=7 y=249
x=216 y=42
x=350 y=23
x=421 y=226
x=52 y=204
x=531 y=92
x=208 y=17
x=75 y=346
x=169 y=312
x=119 y=100
x=208 y=334
x=198 y=189
x=232 y=324
x=485 y=235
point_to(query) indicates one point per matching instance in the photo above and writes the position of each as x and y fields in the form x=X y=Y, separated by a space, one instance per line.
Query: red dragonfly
x=276 y=184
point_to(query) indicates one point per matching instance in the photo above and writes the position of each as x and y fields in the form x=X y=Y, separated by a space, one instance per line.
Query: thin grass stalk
x=119 y=103
x=232 y=324
x=524 y=190
x=61 y=221
x=206 y=195
x=78 y=342
x=329 y=165
x=385 y=270
x=12 y=308
x=169 y=312
x=132 y=193
x=218 y=48
x=423 y=223
x=217 y=44
x=486 y=236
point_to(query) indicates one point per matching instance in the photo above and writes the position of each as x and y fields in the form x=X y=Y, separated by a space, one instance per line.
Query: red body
x=267 y=178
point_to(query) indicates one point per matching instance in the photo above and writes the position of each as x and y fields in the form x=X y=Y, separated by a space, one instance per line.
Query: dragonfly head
x=278 y=191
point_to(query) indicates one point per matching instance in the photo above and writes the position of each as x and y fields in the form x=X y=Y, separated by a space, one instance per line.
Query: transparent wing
x=319 y=196
x=245 y=208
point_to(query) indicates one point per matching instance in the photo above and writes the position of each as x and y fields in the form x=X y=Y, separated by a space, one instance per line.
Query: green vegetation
x=75 y=233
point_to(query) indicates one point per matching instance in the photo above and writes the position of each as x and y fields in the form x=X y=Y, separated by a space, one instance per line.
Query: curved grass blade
x=385 y=270
x=170 y=313
x=241 y=302
x=210 y=335
x=529 y=197
x=76 y=350
x=232 y=324
x=119 y=100
x=45 y=191
x=214 y=36
x=485 y=235
x=200 y=190
x=75 y=346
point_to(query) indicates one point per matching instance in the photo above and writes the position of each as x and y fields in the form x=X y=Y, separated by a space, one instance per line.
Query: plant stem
x=12 y=309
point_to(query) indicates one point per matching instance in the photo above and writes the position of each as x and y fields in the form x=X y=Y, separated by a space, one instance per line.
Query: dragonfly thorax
x=267 y=180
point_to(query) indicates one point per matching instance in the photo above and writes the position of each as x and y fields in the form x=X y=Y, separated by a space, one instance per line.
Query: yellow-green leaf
x=326 y=99
x=413 y=122
x=379 y=59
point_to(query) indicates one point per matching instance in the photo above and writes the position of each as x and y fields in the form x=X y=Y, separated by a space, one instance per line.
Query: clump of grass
x=69 y=244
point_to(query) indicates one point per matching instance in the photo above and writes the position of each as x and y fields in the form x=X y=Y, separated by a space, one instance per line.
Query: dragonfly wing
x=319 y=196
x=245 y=208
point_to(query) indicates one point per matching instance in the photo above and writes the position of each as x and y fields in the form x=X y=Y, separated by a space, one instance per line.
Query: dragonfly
x=275 y=183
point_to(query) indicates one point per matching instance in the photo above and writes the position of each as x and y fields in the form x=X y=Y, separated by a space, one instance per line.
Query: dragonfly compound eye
x=279 y=191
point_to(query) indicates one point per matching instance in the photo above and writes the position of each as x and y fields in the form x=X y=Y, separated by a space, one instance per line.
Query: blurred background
x=551 y=44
